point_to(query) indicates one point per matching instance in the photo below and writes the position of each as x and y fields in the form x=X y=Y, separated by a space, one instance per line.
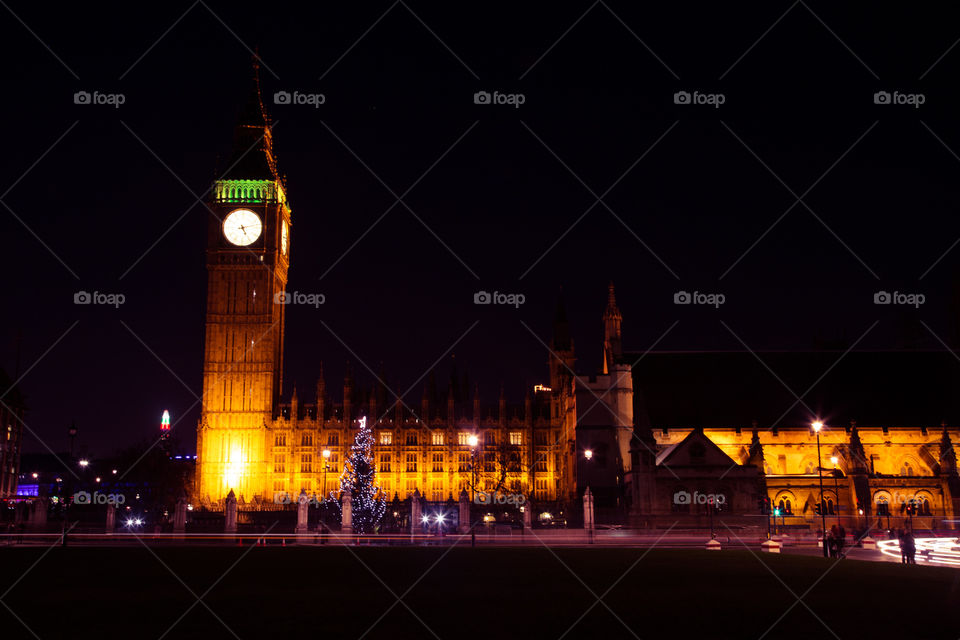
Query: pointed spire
x=321 y=395
x=948 y=457
x=252 y=157
x=858 y=457
x=612 y=319
x=293 y=405
x=756 y=450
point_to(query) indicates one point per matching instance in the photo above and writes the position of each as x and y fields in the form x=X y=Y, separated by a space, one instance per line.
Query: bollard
x=770 y=546
x=713 y=545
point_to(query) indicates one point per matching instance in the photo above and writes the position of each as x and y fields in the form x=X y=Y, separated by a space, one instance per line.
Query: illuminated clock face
x=284 y=238
x=242 y=227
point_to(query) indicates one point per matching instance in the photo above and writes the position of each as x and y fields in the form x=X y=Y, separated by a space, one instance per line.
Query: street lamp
x=473 y=441
x=84 y=463
x=323 y=503
x=817 y=426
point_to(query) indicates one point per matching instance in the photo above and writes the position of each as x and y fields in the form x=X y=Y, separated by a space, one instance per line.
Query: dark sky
x=105 y=199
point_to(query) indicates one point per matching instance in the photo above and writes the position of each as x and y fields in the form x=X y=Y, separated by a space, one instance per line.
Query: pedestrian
x=841 y=539
x=902 y=544
x=834 y=541
x=909 y=546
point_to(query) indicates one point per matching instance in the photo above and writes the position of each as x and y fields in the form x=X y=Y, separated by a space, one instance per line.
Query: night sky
x=503 y=198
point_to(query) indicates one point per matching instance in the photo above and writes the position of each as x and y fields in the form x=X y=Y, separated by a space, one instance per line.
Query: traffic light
x=816 y=509
x=776 y=512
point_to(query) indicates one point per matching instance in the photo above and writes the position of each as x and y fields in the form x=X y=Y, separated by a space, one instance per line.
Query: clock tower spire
x=248 y=243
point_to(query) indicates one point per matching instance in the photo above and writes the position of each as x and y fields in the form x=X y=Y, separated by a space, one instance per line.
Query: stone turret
x=321 y=396
x=756 y=450
x=348 y=396
x=612 y=340
x=948 y=457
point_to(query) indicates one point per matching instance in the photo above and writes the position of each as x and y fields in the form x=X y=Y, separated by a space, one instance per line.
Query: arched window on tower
x=906 y=469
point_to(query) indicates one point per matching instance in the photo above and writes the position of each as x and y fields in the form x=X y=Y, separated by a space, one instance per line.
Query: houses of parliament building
x=658 y=426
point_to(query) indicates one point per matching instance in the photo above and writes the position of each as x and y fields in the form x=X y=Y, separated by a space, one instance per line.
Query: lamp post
x=474 y=443
x=323 y=503
x=823 y=516
x=588 y=456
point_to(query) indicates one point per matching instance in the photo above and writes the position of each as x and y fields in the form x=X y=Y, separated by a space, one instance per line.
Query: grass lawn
x=332 y=592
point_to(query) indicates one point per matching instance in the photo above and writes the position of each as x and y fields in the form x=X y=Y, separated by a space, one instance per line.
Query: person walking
x=909 y=546
x=841 y=540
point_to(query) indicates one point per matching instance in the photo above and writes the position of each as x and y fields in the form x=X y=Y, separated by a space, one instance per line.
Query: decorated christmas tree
x=359 y=476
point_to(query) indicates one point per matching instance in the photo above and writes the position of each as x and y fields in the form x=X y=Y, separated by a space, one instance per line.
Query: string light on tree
x=359 y=476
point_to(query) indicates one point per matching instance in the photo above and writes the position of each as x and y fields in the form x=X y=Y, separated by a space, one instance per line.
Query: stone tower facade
x=248 y=244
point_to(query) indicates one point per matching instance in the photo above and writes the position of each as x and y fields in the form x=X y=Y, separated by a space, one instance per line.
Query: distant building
x=12 y=408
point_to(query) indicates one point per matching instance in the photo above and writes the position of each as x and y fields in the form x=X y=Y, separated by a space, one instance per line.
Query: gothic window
x=463 y=439
x=541 y=464
x=809 y=469
x=386 y=437
x=490 y=439
x=279 y=464
x=306 y=463
x=906 y=469
x=540 y=490
x=436 y=494
x=437 y=462
x=385 y=463
x=280 y=440
x=411 y=462
x=514 y=463
x=306 y=440
x=333 y=439
x=490 y=462
x=411 y=487
x=463 y=462
x=411 y=439
x=540 y=437
x=785 y=507
x=516 y=438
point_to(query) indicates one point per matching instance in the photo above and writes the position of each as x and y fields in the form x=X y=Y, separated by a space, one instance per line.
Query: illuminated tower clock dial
x=284 y=240
x=242 y=227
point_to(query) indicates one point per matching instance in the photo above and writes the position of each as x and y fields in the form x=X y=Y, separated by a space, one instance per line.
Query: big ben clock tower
x=248 y=241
